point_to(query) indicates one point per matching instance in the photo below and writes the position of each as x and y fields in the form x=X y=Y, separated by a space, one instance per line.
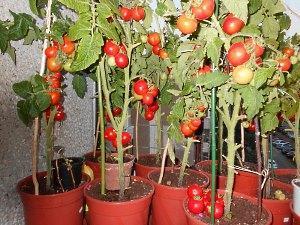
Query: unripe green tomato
x=294 y=59
x=111 y=61
x=67 y=65
x=163 y=76
x=144 y=38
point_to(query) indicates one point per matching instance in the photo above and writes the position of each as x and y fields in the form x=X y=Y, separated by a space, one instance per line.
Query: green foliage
x=211 y=80
x=79 y=85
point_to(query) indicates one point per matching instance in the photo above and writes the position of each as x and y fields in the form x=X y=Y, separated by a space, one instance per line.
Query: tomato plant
x=68 y=46
x=195 y=206
x=121 y=60
x=126 y=138
x=156 y=49
x=110 y=134
x=148 y=99
x=111 y=48
x=194 y=190
x=149 y=115
x=55 y=97
x=284 y=64
x=187 y=25
x=125 y=13
x=288 y=51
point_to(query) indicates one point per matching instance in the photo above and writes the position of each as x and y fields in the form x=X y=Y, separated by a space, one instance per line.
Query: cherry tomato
x=58 y=76
x=122 y=48
x=149 y=115
x=54 y=65
x=251 y=127
x=201 y=108
x=163 y=54
x=140 y=87
x=219 y=210
x=126 y=13
x=192 y=127
x=154 y=91
x=110 y=48
x=258 y=50
x=126 y=138
x=154 y=39
x=55 y=97
x=186 y=25
x=204 y=10
x=59 y=107
x=121 y=60
x=284 y=64
x=232 y=24
x=59 y=116
x=68 y=46
x=196 y=122
x=206 y=198
x=194 y=190
x=242 y=75
x=219 y=200
x=114 y=143
x=54 y=82
x=288 y=51
x=148 y=99
x=153 y=107
x=116 y=111
x=237 y=54
x=138 y=13
x=204 y=70
x=51 y=52
x=156 y=49
x=111 y=61
x=195 y=206
x=110 y=134
x=186 y=130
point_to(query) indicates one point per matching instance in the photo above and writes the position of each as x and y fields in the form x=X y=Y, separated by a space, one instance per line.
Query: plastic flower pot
x=133 y=212
x=246 y=183
x=59 y=209
x=191 y=220
x=296 y=218
x=93 y=163
x=285 y=173
x=296 y=196
x=167 y=201
x=280 y=209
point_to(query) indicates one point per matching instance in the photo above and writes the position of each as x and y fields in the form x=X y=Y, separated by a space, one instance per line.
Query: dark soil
x=137 y=189
x=243 y=213
x=287 y=178
x=91 y=158
x=171 y=178
x=150 y=160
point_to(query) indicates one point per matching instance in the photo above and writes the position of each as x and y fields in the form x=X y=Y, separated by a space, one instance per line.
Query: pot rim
x=132 y=158
x=293 y=183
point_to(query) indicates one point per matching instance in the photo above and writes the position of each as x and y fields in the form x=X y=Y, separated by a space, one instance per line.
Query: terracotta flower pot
x=112 y=173
x=285 y=174
x=167 y=201
x=59 y=209
x=191 y=220
x=95 y=166
x=134 y=212
x=280 y=209
x=221 y=180
x=296 y=218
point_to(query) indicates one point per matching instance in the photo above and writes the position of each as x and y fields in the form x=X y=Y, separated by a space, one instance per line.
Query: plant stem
x=159 y=136
x=35 y=148
x=137 y=131
x=259 y=163
x=98 y=125
x=184 y=160
x=265 y=149
x=163 y=161
x=243 y=142
x=220 y=141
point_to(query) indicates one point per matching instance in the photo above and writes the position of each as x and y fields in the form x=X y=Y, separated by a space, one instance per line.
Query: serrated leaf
x=270 y=27
x=174 y=133
x=284 y=22
x=23 y=89
x=250 y=30
x=268 y=123
x=256 y=18
x=113 y=5
x=238 y=8
x=178 y=109
x=161 y=8
x=211 y=80
x=88 y=52
x=38 y=83
x=59 y=28
x=11 y=51
x=185 y=47
x=214 y=50
x=23 y=108
x=148 y=18
x=252 y=100
x=19 y=29
x=33 y=7
x=276 y=8
x=107 y=29
x=79 y=85
x=3 y=37
x=208 y=34
x=31 y=36
x=261 y=75
x=187 y=88
x=272 y=107
x=43 y=100
x=254 y=6
x=80 y=6
x=104 y=10
x=81 y=28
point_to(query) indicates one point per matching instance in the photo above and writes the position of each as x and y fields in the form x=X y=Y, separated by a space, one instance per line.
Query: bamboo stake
x=137 y=131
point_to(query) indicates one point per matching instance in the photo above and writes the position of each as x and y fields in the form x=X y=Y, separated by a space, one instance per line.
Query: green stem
x=158 y=130
x=184 y=160
x=265 y=150
x=137 y=131
x=220 y=141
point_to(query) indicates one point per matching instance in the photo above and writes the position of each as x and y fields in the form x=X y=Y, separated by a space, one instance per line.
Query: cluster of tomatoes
x=189 y=127
x=187 y=23
x=153 y=39
x=147 y=95
x=136 y=13
x=110 y=134
x=56 y=52
x=117 y=54
x=199 y=201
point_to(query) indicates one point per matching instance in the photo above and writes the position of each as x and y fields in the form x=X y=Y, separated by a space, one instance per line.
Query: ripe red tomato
x=114 y=143
x=232 y=24
x=186 y=25
x=140 y=87
x=186 y=130
x=196 y=122
x=251 y=127
x=110 y=48
x=163 y=54
x=288 y=51
x=59 y=107
x=126 y=138
x=55 y=97
x=204 y=10
x=59 y=116
x=206 y=198
x=284 y=64
x=154 y=91
x=149 y=115
x=219 y=210
x=156 y=49
x=54 y=65
x=116 y=111
x=153 y=39
x=126 y=13
x=138 y=13
x=195 y=206
x=153 y=107
x=122 y=48
x=192 y=127
x=259 y=61
x=54 y=82
x=121 y=60
x=258 y=50
x=237 y=54
x=201 y=108
x=58 y=76
x=219 y=200
x=194 y=190
x=68 y=46
x=204 y=70
x=242 y=75
x=110 y=134
x=51 y=52
x=148 y=99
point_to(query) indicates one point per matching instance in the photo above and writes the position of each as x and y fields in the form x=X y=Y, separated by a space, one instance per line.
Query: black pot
x=66 y=173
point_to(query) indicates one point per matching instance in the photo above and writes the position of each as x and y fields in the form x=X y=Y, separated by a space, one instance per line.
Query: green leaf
x=104 y=11
x=112 y=5
x=211 y=80
x=272 y=8
x=23 y=89
x=261 y=75
x=87 y=52
x=59 y=28
x=107 y=29
x=272 y=107
x=187 y=88
x=81 y=28
x=270 y=27
x=43 y=100
x=214 y=50
x=79 y=85
x=20 y=27
x=34 y=110
x=252 y=100
x=161 y=8
x=174 y=133
x=208 y=34
x=238 y=8
x=31 y=36
x=250 y=30
x=11 y=51
x=148 y=18
x=3 y=37
x=80 y=6
x=38 y=83
x=178 y=109
x=256 y=18
x=23 y=108
x=254 y=6
x=33 y=7
x=268 y=123
x=185 y=47
x=284 y=21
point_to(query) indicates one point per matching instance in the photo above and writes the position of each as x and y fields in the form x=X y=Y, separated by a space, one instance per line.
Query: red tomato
x=219 y=210
x=126 y=13
x=126 y=138
x=186 y=25
x=284 y=64
x=242 y=75
x=194 y=190
x=110 y=134
x=149 y=115
x=153 y=39
x=258 y=50
x=259 y=61
x=201 y=108
x=148 y=99
x=163 y=54
x=219 y=200
x=186 y=130
x=153 y=107
x=59 y=116
x=58 y=76
x=204 y=10
x=251 y=127
x=140 y=87
x=59 y=107
x=195 y=206
x=54 y=65
x=196 y=122
x=116 y=111
x=54 y=82
x=122 y=48
x=51 y=52
x=55 y=97
x=156 y=49
x=68 y=46
x=192 y=127
x=232 y=24
x=288 y=51
x=121 y=60
x=207 y=198
x=138 y=13
x=110 y=48
x=154 y=91
x=114 y=143
x=237 y=54
x=204 y=70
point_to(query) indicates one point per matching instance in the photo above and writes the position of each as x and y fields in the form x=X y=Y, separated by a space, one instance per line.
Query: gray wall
x=76 y=133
